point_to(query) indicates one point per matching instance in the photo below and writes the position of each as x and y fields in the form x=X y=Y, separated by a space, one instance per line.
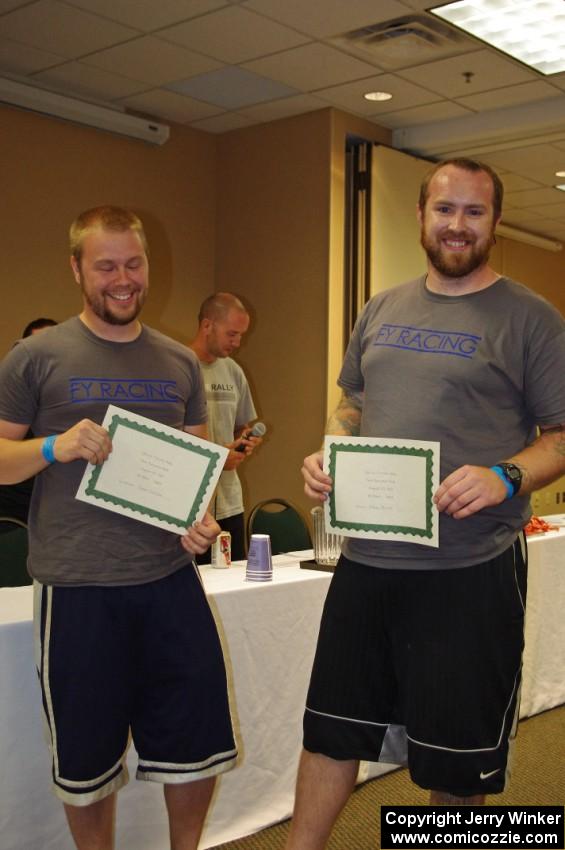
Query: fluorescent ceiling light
x=532 y=31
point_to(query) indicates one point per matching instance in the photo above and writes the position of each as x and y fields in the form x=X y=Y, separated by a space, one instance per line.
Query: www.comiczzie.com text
x=473 y=827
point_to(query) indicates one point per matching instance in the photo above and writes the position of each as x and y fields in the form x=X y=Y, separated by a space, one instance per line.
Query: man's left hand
x=200 y=536
x=469 y=489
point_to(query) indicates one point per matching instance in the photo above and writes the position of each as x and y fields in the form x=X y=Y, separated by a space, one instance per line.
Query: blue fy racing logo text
x=124 y=389
x=427 y=341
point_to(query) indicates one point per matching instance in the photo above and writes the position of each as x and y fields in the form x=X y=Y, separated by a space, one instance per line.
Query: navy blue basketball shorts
x=143 y=661
x=422 y=668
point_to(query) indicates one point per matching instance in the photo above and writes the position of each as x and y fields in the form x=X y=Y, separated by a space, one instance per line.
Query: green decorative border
x=213 y=458
x=427 y=454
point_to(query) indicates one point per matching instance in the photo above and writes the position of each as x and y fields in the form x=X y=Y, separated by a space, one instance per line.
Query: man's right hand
x=85 y=440
x=234 y=459
x=317 y=484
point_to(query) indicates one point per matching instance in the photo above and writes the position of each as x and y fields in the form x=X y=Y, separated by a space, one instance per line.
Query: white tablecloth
x=543 y=683
x=269 y=633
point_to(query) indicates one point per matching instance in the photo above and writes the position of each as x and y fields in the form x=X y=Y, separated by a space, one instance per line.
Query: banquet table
x=543 y=683
x=268 y=631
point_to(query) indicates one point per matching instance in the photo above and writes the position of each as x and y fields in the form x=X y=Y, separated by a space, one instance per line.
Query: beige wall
x=280 y=246
x=272 y=236
x=52 y=170
x=258 y=211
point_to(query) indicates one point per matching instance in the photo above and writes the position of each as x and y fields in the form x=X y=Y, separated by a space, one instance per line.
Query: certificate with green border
x=156 y=474
x=383 y=488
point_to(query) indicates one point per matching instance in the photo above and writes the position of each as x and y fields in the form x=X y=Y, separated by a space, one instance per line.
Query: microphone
x=258 y=430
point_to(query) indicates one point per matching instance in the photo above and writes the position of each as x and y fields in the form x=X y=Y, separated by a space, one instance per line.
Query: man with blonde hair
x=222 y=321
x=126 y=640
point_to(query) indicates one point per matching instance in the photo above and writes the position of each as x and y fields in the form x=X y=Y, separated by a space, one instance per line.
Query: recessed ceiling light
x=560 y=173
x=532 y=31
x=561 y=186
x=377 y=95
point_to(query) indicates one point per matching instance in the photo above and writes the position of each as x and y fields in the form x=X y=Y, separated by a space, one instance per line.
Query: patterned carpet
x=538 y=779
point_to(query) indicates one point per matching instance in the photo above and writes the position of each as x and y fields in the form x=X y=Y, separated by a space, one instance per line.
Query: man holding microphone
x=222 y=322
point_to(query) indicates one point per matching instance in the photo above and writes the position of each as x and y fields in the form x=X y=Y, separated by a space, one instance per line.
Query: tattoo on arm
x=557 y=435
x=346 y=418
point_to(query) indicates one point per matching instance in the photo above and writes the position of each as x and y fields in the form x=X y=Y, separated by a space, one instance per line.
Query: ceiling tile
x=222 y=123
x=147 y=15
x=419 y=5
x=330 y=17
x=233 y=35
x=509 y=96
x=423 y=114
x=285 y=107
x=557 y=80
x=313 y=66
x=22 y=59
x=151 y=60
x=534 y=197
x=489 y=70
x=62 y=29
x=9 y=5
x=170 y=106
x=515 y=182
x=556 y=210
x=89 y=81
x=350 y=96
x=555 y=231
x=232 y=88
x=538 y=162
x=541 y=227
x=518 y=216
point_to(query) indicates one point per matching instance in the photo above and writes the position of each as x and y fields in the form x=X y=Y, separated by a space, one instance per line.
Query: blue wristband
x=505 y=481
x=47 y=448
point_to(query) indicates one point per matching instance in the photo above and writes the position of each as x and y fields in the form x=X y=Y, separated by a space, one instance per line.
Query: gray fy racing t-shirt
x=51 y=381
x=475 y=372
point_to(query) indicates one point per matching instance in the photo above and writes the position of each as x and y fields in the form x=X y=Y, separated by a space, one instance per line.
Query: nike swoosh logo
x=486 y=775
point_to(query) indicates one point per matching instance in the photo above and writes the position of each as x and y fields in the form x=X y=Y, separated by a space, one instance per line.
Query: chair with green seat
x=13 y=553
x=282 y=522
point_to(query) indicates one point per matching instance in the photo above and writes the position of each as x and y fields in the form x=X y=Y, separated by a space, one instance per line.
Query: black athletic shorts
x=141 y=659
x=422 y=667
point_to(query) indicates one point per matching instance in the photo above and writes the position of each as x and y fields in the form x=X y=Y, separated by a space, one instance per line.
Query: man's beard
x=98 y=305
x=451 y=263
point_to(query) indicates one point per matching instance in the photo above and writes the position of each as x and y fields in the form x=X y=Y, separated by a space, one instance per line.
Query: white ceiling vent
x=405 y=41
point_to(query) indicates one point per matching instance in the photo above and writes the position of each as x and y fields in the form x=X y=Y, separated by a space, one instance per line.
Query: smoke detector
x=402 y=42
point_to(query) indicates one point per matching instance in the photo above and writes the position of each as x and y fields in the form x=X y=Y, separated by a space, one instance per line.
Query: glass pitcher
x=327 y=546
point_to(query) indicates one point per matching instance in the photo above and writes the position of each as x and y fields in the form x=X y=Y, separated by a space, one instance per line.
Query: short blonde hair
x=105 y=218
x=216 y=307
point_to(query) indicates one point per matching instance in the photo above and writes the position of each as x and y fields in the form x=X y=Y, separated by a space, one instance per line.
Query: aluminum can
x=221 y=551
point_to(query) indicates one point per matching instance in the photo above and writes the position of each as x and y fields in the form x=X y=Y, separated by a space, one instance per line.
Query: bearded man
x=420 y=649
